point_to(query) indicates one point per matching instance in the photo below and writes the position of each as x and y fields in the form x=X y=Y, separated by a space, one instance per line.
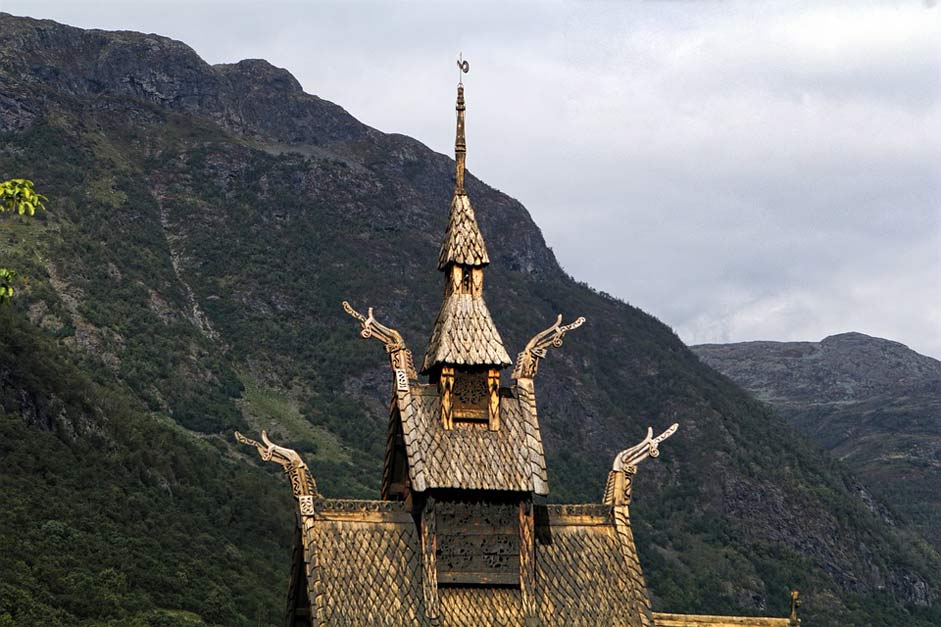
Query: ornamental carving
x=306 y=505
x=302 y=483
x=399 y=355
x=648 y=447
x=617 y=490
x=477 y=542
x=527 y=362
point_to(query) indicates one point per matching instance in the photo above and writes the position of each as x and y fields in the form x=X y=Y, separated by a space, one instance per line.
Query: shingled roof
x=510 y=458
x=463 y=244
x=462 y=535
x=363 y=564
x=464 y=334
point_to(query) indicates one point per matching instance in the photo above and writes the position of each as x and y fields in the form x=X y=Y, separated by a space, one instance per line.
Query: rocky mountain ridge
x=842 y=368
x=875 y=403
x=204 y=225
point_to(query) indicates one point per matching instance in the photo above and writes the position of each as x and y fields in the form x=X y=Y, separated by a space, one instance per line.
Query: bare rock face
x=251 y=96
x=875 y=403
x=844 y=368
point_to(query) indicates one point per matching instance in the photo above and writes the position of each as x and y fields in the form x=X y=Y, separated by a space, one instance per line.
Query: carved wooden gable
x=478 y=543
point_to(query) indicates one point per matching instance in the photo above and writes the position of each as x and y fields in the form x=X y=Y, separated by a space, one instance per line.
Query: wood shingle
x=465 y=335
x=365 y=558
x=461 y=535
x=463 y=243
x=468 y=458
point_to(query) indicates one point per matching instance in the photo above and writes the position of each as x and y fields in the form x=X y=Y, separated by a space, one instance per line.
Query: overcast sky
x=742 y=171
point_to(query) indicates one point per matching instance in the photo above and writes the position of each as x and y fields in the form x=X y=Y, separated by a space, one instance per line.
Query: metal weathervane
x=463 y=67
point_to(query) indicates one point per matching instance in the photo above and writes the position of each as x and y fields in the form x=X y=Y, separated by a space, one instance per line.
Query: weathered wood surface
x=478 y=543
x=510 y=458
x=662 y=619
x=464 y=543
x=465 y=335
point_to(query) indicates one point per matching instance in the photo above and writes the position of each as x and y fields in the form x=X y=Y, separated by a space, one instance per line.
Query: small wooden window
x=471 y=398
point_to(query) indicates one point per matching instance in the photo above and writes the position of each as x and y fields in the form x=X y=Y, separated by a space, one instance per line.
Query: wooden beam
x=493 y=386
x=663 y=619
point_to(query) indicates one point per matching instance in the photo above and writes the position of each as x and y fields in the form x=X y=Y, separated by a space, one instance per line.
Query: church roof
x=464 y=334
x=510 y=458
x=463 y=244
x=365 y=568
x=461 y=536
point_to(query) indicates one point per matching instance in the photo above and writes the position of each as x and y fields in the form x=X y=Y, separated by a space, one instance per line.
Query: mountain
x=204 y=224
x=876 y=404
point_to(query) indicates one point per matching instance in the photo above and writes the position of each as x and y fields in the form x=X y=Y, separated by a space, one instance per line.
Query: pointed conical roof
x=464 y=333
x=463 y=244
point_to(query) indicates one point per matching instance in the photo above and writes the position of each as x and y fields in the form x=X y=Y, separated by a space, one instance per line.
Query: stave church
x=462 y=532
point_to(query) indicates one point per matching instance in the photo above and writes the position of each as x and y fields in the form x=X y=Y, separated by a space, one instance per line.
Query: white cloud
x=741 y=170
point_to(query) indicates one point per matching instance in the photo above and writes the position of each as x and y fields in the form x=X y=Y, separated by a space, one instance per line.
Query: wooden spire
x=464 y=333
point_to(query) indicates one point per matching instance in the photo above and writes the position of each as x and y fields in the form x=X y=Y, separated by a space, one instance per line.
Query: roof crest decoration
x=399 y=355
x=527 y=362
x=617 y=490
x=648 y=447
x=302 y=483
x=460 y=143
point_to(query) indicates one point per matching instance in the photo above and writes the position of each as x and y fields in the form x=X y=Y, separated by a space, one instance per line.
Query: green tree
x=17 y=196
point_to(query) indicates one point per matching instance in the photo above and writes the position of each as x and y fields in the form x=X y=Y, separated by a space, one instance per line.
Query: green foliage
x=7 y=279
x=18 y=195
x=114 y=517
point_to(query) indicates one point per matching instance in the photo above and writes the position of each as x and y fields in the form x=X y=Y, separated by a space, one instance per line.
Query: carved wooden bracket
x=399 y=355
x=527 y=362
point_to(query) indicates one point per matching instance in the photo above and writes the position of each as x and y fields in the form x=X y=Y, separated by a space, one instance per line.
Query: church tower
x=462 y=534
x=466 y=353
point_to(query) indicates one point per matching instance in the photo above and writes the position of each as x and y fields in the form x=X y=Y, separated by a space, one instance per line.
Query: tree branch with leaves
x=17 y=196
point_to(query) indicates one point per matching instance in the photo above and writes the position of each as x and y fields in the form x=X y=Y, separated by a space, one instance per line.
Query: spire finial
x=460 y=145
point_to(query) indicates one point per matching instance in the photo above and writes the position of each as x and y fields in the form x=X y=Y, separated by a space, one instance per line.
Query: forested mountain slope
x=204 y=225
x=875 y=403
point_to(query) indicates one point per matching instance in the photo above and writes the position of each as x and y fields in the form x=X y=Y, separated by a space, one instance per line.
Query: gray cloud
x=742 y=171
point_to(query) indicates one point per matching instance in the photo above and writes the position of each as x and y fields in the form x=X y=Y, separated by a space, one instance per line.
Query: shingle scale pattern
x=463 y=243
x=465 y=335
x=582 y=578
x=473 y=607
x=370 y=574
x=468 y=457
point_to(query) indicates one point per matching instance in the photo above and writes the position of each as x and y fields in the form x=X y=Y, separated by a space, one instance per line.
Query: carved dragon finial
x=617 y=490
x=302 y=483
x=399 y=355
x=527 y=362
x=648 y=447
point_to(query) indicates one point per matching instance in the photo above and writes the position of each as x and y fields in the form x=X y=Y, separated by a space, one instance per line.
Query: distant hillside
x=873 y=402
x=205 y=223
